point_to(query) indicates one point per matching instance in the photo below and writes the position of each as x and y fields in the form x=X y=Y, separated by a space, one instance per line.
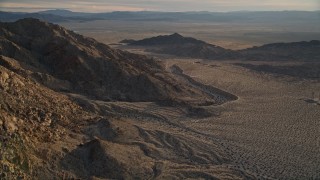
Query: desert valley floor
x=270 y=131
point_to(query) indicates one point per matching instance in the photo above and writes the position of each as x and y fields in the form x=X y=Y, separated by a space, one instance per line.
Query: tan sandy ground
x=271 y=130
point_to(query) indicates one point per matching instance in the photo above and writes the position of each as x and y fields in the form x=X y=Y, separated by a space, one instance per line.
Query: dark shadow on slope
x=90 y=160
x=304 y=71
x=218 y=95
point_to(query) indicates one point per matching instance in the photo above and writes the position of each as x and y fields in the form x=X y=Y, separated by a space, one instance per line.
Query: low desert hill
x=307 y=51
x=181 y=46
x=176 y=44
x=173 y=39
x=299 y=71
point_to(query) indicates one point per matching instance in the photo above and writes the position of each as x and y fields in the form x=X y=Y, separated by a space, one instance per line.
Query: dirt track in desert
x=271 y=130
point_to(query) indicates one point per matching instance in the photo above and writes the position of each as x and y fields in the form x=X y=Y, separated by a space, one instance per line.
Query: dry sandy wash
x=272 y=130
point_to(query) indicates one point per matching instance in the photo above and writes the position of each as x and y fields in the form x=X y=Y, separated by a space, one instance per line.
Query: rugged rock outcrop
x=31 y=116
x=54 y=122
x=65 y=61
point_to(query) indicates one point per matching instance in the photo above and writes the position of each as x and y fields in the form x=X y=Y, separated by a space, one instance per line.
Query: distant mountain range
x=45 y=16
x=176 y=44
x=59 y=15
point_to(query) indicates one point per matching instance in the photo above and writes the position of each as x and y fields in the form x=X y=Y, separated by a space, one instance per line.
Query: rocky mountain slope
x=45 y=135
x=63 y=115
x=31 y=117
x=65 y=61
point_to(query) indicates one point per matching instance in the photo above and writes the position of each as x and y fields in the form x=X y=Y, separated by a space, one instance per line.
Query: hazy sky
x=158 y=5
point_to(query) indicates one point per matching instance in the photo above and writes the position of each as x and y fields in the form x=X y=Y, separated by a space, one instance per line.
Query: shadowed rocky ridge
x=303 y=71
x=31 y=118
x=65 y=61
x=46 y=134
x=178 y=45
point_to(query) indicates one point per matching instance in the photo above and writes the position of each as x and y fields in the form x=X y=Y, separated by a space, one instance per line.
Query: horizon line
x=66 y=9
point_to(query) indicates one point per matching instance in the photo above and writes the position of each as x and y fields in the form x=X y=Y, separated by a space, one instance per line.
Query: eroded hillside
x=75 y=108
